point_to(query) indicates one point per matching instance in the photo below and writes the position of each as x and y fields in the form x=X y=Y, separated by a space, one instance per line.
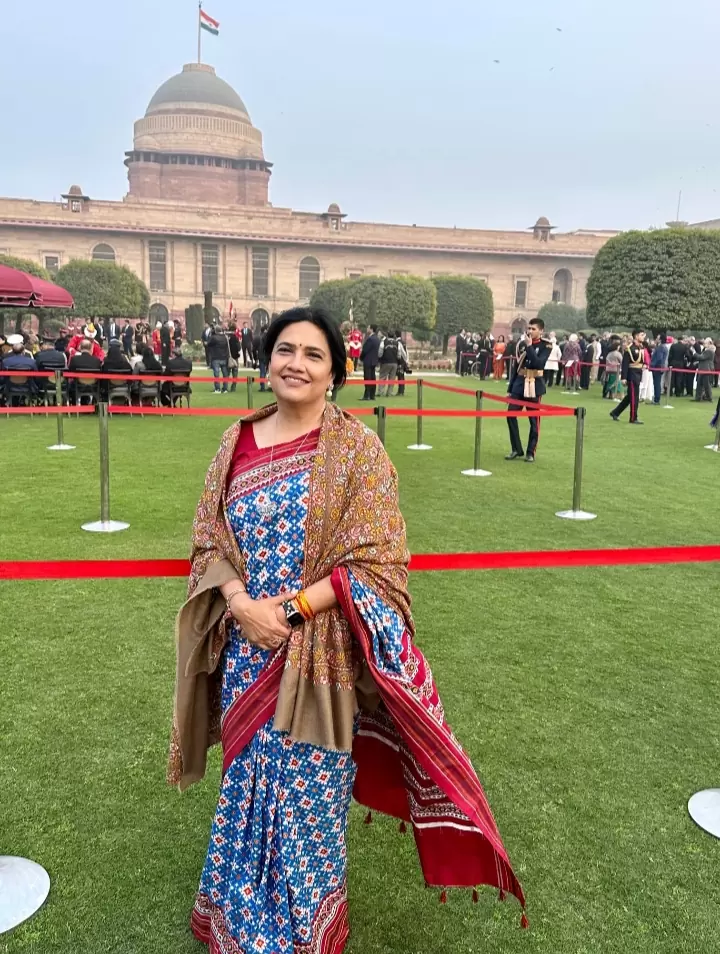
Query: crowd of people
x=682 y=367
x=131 y=350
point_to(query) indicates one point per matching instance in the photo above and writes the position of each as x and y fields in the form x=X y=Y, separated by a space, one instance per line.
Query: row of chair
x=27 y=391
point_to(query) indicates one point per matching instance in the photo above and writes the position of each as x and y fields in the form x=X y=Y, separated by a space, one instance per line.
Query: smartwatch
x=294 y=617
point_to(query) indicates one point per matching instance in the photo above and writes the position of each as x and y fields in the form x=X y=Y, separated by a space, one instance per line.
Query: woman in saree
x=296 y=652
x=498 y=358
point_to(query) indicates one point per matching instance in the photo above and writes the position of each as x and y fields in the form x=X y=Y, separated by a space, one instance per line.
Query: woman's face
x=300 y=365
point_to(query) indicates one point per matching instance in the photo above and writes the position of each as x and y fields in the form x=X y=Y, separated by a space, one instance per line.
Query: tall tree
x=335 y=297
x=663 y=280
x=399 y=303
x=462 y=302
x=558 y=315
x=104 y=290
x=19 y=314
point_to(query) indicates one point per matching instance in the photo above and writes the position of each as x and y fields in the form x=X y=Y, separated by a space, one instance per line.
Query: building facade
x=197 y=217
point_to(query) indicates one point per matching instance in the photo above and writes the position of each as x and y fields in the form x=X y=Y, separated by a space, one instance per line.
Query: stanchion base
x=704 y=809
x=419 y=447
x=61 y=447
x=477 y=473
x=24 y=886
x=712 y=447
x=575 y=515
x=668 y=407
x=105 y=526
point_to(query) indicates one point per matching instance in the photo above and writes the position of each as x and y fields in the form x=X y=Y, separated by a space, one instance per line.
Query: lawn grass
x=586 y=698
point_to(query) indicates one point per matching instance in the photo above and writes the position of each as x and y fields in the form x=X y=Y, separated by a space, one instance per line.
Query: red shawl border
x=457 y=848
x=409 y=767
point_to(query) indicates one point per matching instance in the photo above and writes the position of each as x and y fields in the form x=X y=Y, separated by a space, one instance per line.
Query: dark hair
x=538 y=322
x=374 y=328
x=637 y=331
x=663 y=337
x=150 y=362
x=322 y=320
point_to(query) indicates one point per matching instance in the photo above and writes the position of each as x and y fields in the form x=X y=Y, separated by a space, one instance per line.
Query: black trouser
x=401 y=377
x=585 y=376
x=559 y=375
x=632 y=396
x=247 y=356
x=533 y=437
x=549 y=376
x=689 y=381
x=369 y=374
x=677 y=383
x=704 y=388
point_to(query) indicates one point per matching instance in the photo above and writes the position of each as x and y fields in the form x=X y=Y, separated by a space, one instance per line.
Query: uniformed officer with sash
x=631 y=375
x=527 y=388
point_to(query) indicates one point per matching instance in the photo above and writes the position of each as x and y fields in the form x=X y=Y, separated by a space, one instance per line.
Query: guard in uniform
x=527 y=387
x=631 y=375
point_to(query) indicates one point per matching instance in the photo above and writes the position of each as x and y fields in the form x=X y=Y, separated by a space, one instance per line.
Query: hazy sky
x=395 y=109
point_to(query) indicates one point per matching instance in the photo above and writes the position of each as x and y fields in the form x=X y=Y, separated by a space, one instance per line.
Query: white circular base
x=61 y=447
x=105 y=526
x=419 y=446
x=570 y=392
x=575 y=515
x=477 y=473
x=712 y=447
x=24 y=886
x=704 y=809
x=668 y=407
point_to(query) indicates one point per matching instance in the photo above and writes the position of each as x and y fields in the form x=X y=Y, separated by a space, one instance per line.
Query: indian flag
x=207 y=23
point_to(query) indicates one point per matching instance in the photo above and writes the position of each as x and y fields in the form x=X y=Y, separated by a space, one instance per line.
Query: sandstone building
x=197 y=216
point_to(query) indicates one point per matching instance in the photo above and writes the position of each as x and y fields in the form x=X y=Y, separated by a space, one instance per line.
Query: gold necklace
x=269 y=508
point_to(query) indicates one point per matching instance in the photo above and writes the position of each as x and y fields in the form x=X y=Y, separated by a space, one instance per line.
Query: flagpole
x=199 y=34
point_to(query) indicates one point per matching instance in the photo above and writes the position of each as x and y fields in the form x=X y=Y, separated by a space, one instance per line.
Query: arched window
x=562 y=286
x=103 y=253
x=158 y=312
x=309 y=276
x=519 y=326
x=260 y=319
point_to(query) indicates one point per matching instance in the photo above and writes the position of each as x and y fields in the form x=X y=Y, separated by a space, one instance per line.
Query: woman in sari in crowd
x=498 y=360
x=296 y=652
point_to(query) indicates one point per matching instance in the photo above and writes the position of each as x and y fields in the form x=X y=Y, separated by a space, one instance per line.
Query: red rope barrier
x=447 y=387
x=28 y=374
x=202 y=411
x=423 y=562
x=440 y=412
x=509 y=399
x=51 y=409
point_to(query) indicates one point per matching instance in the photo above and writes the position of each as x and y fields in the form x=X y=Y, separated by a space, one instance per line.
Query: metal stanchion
x=476 y=471
x=249 y=383
x=104 y=524
x=381 y=413
x=419 y=445
x=716 y=446
x=24 y=886
x=704 y=809
x=61 y=445
x=577 y=513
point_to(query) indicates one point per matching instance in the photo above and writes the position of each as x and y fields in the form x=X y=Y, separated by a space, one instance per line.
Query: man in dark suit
x=370 y=357
x=246 y=344
x=676 y=360
x=128 y=335
x=459 y=348
x=110 y=330
x=527 y=388
x=179 y=367
x=83 y=361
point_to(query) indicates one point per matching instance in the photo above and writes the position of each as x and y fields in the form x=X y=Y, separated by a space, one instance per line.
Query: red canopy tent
x=20 y=290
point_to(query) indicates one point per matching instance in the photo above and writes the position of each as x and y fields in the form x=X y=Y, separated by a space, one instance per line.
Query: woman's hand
x=263 y=621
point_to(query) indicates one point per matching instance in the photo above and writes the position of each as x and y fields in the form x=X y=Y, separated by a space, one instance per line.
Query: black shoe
x=529 y=458
x=513 y=455
x=614 y=416
x=637 y=422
